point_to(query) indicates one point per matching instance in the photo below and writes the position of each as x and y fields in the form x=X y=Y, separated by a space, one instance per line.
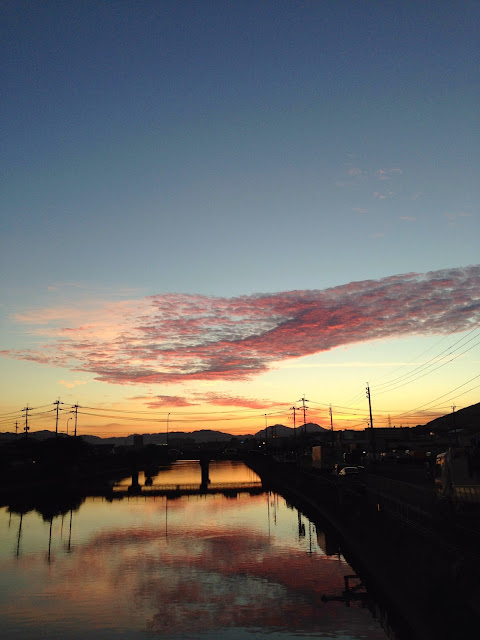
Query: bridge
x=188 y=489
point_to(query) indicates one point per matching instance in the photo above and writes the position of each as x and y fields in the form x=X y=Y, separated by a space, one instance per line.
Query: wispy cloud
x=159 y=402
x=71 y=384
x=407 y=218
x=359 y=210
x=453 y=217
x=383 y=195
x=213 y=398
x=173 y=338
x=388 y=174
x=224 y=400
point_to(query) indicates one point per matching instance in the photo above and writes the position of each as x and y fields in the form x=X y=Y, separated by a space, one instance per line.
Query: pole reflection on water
x=205 y=565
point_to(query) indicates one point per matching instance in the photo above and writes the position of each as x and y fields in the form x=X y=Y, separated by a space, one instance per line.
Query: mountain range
x=198 y=437
x=467 y=418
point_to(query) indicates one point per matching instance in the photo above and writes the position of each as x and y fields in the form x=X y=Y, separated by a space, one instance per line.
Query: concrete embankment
x=425 y=579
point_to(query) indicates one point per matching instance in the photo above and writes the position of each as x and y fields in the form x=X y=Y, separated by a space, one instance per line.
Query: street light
x=67 y=423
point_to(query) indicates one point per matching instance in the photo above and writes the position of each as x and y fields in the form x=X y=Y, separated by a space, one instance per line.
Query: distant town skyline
x=213 y=210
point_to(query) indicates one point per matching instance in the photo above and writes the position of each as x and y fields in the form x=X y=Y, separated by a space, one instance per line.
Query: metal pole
x=56 y=422
x=76 y=410
x=372 y=435
x=303 y=400
x=331 y=425
x=455 y=426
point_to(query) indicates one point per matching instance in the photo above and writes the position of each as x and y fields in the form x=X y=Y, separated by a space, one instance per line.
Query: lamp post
x=67 y=423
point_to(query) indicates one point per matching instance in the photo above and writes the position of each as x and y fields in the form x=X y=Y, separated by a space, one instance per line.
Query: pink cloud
x=454 y=216
x=157 y=402
x=71 y=384
x=383 y=196
x=388 y=174
x=223 y=400
x=173 y=338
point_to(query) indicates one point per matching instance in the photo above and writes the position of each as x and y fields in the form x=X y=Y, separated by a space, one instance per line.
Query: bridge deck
x=189 y=488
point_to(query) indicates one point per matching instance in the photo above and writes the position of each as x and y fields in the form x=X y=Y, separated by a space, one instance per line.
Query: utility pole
x=303 y=400
x=26 y=427
x=372 y=436
x=75 y=406
x=168 y=420
x=331 y=425
x=454 y=425
x=294 y=409
x=56 y=422
x=266 y=432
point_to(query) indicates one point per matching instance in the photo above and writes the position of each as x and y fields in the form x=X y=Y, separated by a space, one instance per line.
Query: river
x=232 y=563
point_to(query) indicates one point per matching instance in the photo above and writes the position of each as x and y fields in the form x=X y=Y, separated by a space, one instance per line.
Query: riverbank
x=428 y=580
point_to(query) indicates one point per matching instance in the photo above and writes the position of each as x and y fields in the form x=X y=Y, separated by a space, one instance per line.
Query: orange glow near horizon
x=240 y=423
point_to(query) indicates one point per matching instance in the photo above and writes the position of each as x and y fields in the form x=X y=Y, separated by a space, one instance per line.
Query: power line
x=427 y=350
x=443 y=396
x=426 y=365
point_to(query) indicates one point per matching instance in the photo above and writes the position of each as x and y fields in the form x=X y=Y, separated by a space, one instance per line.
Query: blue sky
x=228 y=149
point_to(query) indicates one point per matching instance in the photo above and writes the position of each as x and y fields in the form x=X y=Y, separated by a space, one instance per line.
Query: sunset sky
x=211 y=210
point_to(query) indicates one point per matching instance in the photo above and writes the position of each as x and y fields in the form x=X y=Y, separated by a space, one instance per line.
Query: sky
x=213 y=212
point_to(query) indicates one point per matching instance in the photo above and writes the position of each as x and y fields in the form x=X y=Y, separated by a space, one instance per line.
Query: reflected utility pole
x=49 y=556
x=19 y=535
x=69 y=545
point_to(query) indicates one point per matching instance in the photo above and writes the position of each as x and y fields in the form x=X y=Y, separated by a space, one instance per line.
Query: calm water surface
x=197 y=566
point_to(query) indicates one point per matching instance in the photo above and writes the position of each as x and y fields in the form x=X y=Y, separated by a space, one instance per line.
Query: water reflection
x=196 y=566
x=191 y=475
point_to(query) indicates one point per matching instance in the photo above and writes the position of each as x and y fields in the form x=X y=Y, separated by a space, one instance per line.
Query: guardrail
x=191 y=487
x=467 y=493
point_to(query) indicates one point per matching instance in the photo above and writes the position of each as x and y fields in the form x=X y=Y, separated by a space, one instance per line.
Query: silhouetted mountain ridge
x=198 y=436
x=467 y=418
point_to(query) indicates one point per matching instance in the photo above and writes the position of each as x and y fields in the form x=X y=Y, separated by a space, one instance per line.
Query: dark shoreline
x=424 y=581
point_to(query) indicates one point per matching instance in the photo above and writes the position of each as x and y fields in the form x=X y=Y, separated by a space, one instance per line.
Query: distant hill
x=197 y=437
x=468 y=419
x=281 y=431
x=203 y=435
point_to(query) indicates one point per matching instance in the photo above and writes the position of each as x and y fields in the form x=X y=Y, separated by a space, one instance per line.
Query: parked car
x=349 y=471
